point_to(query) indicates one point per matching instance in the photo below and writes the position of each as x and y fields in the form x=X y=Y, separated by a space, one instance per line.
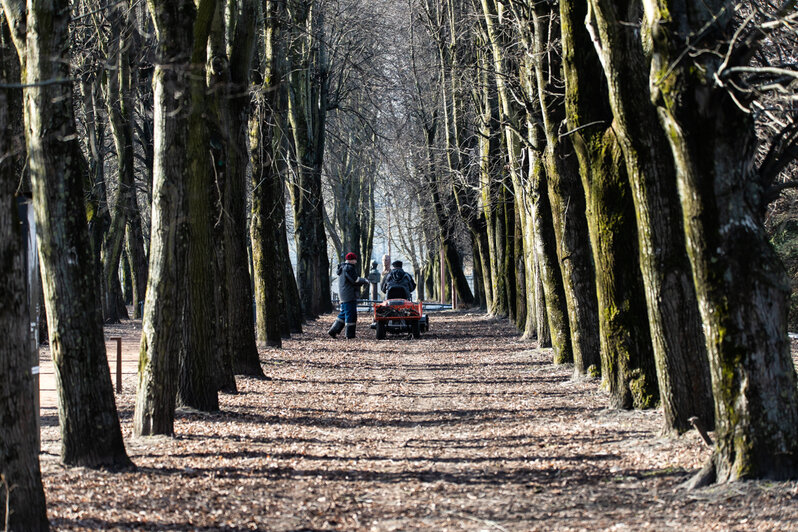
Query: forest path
x=468 y=428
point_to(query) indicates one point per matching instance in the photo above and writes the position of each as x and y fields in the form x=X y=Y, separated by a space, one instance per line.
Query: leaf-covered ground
x=468 y=428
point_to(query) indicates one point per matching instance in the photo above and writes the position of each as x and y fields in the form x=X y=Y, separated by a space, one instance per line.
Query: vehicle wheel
x=380 y=330
x=415 y=329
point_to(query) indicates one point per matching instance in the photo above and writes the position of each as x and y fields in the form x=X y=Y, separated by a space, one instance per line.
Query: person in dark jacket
x=348 y=284
x=398 y=277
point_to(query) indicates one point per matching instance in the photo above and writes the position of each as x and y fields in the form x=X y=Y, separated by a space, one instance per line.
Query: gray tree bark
x=19 y=461
x=90 y=431
x=741 y=284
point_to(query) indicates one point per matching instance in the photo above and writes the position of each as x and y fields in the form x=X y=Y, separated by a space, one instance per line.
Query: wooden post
x=443 y=276
x=118 y=363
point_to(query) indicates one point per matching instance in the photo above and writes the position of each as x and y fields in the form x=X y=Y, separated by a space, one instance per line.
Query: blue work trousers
x=348 y=312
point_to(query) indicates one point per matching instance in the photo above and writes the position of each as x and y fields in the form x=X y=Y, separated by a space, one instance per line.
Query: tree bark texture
x=680 y=354
x=119 y=100
x=162 y=326
x=511 y=117
x=546 y=249
x=19 y=460
x=567 y=198
x=307 y=114
x=268 y=208
x=91 y=436
x=240 y=297
x=197 y=385
x=741 y=284
x=627 y=357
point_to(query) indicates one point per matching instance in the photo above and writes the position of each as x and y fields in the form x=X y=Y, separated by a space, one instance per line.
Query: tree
x=565 y=191
x=268 y=160
x=307 y=112
x=19 y=461
x=231 y=84
x=197 y=386
x=627 y=357
x=740 y=283
x=676 y=334
x=91 y=435
x=161 y=337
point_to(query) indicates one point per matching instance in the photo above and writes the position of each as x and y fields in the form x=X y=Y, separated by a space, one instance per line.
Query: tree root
x=703 y=478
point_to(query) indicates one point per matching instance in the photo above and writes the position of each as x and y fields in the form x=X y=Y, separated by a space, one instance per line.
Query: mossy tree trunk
x=741 y=284
x=19 y=460
x=197 y=386
x=268 y=209
x=567 y=197
x=162 y=327
x=625 y=341
x=677 y=336
x=490 y=170
x=511 y=115
x=90 y=431
x=549 y=268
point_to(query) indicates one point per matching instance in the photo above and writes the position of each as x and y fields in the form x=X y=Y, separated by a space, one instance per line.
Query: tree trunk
x=119 y=101
x=163 y=319
x=512 y=117
x=240 y=295
x=545 y=245
x=307 y=113
x=90 y=432
x=627 y=357
x=680 y=354
x=19 y=460
x=741 y=284
x=268 y=209
x=197 y=385
x=567 y=199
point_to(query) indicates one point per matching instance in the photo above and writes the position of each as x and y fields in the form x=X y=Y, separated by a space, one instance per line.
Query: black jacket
x=398 y=277
x=348 y=282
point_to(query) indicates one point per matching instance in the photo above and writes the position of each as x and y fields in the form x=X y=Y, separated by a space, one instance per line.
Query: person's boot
x=350 y=330
x=337 y=327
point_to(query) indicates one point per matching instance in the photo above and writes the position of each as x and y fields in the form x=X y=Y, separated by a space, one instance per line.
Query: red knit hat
x=350 y=256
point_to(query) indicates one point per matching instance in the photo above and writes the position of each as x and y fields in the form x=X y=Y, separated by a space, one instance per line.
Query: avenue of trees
x=602 y=168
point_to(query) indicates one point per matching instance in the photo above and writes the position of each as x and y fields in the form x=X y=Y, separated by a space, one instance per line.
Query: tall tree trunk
x=240 y=315
x=567 y=198
x=19 y=460
x=307 y=113
x=90 y=431
x=627 y=357
x=119 y=101
x=512 y=117
x=268 y=209
x=679 y=350
x=741 y=284
x=220 y=148
x=161 y=336
x=546 y=248
x=127 y=80
x=197 y=386
x=98 y=215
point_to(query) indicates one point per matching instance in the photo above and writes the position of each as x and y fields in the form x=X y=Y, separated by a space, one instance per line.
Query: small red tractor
x=398 y=315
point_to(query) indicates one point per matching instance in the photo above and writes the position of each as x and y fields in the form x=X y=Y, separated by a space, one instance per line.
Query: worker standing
x=348 y=284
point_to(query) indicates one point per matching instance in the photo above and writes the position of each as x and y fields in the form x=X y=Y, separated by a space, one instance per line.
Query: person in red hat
x=348 y=283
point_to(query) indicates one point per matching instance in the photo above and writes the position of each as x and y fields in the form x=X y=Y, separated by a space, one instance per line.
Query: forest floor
x=468 y=428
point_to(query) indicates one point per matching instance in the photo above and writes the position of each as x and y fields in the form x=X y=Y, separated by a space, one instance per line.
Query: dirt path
x=468 y=428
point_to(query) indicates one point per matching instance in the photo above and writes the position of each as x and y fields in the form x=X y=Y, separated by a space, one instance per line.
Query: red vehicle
x=399 y=315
